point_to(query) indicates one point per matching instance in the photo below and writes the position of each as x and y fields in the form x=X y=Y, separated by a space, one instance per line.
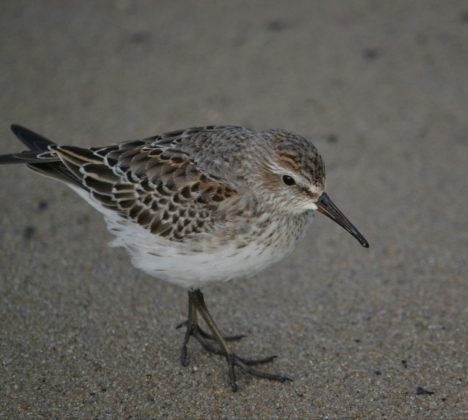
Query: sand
x=381 y=89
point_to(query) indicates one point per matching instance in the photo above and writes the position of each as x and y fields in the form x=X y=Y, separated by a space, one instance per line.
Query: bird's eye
x=288 y=180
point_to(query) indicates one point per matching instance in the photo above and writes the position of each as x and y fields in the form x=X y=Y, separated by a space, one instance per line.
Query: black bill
x=328 y=208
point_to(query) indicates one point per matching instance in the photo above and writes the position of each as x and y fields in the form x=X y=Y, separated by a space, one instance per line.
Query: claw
x=232 y=374
x=182 y=324
x=262 y=361
x=235 y=337
x=245 y=366
x=215 y=343
x=184 y=358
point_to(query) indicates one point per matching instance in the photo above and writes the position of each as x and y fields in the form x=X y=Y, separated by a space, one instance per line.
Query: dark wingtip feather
x=21 y=157
x=32 y=140
x=5 y=159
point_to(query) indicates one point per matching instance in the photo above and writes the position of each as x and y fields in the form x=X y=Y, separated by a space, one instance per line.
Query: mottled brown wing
x=156 y=186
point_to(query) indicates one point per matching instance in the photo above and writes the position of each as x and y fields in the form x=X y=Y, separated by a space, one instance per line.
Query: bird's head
x=293 y=175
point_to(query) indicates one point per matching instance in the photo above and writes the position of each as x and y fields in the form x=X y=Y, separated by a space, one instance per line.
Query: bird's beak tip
x=329 y=209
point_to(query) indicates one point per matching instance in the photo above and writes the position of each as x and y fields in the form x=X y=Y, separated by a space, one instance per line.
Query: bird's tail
x=33 y=141
x=40 y=157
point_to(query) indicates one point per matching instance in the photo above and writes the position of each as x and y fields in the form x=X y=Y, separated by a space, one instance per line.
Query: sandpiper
x=195 y=206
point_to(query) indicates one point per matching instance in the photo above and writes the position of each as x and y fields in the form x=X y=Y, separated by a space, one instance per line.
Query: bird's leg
x=194 y=329
x=192 y=326
x=197 y=302
x=207 y=336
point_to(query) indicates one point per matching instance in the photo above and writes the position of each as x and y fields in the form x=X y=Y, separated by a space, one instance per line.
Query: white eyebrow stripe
x=279 y=170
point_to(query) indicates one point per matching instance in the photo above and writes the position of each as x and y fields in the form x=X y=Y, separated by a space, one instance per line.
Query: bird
x=197 y=206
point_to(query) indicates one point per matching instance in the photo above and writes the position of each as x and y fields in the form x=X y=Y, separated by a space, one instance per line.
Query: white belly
x=179 y=263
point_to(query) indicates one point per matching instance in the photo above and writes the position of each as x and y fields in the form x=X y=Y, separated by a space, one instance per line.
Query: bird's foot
x=246 y=366
x=204 y=334
x=210 y=344
x=207 y=341
x=217 y=344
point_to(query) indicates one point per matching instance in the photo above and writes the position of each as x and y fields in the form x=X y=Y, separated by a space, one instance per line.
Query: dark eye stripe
x=288 y=180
